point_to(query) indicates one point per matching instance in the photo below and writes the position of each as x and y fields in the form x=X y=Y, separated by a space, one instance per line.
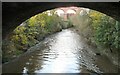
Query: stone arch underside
x=13 y=14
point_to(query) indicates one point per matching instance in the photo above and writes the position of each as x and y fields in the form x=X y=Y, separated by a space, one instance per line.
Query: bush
x=31 y=32
x=106 y=30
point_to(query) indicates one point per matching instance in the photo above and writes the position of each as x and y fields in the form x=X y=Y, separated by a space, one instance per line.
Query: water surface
x=63 y=52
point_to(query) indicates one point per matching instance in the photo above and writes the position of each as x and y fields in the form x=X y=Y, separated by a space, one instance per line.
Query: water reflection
x=63 y=52
x=61 y=58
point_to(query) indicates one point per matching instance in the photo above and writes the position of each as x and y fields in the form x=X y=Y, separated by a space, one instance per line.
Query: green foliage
x=31 y=32
x=106 y=30
x=96 y=18
x=98 y=28
x=82 y=22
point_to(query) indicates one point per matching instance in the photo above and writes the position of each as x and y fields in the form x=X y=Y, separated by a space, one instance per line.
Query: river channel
x=62 y=52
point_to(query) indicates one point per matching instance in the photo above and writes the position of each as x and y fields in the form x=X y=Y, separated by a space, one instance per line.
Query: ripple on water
x=63 y=52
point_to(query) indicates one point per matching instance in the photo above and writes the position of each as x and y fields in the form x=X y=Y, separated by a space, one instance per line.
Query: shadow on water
x=63 y=52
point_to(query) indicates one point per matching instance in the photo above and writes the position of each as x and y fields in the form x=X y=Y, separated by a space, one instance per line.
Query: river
x=62 y=52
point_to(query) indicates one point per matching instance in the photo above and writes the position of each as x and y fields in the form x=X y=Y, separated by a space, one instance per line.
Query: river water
x=62 y=52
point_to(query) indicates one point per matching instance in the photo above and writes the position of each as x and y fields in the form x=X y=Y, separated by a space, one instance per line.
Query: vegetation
x=106 y=35
x=101 y=31
x=98 y=27
x=106 y=30
x=82 y=22
x=31 y=32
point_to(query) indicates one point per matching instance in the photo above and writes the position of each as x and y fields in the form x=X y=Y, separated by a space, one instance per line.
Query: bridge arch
x=60 y=12
x=71 y=11
x=15 y=13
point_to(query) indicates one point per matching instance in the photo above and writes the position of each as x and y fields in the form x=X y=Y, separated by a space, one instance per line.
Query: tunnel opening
x=82 y=13
x=16 y=17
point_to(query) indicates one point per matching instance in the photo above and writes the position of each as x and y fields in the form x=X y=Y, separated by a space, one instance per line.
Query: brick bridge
x=66 y=12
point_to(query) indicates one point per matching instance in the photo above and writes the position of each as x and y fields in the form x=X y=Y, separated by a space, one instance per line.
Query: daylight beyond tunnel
x=77 y=39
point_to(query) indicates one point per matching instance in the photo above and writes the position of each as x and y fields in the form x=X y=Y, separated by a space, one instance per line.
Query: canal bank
x=62 y=52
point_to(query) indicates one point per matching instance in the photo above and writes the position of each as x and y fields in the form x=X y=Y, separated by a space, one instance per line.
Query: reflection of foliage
x=31 y=32
x=106 y=30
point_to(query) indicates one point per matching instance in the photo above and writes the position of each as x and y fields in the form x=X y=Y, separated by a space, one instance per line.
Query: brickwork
x=66 y=11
